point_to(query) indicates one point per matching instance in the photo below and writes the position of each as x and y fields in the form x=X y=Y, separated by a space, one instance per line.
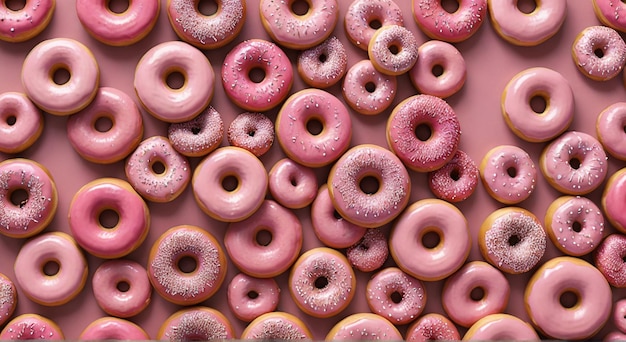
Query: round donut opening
x=431 y=239
x=263 y=237
x=51 y=268
x=538 y=104
x=103 y=124
x=599 y=52
x=577 y=226
x=207 y=7
x=300 y=7
x=395 y=297
x=322 y=58
x=293 y=181
x=394 y=48
x=252 y=294
x=230 y=183
x=187 y=264
x=315 y=126
x=370 y=87
x=569 y=299
x=437 y=70
x=511 y=171
x=256 y=75
x=450 y=6
x=336 y=215
x=477 y=294
x=375 y=24
x=19 y=197
x=423 y=132
x=108 y=218
x=118 y=6
x=369 y=184
x=527 y=6
x=196 y=130
x=574 y=163
x=321 y=282
x=514 y=240
x=11 y=120
x=251 y=132
x=123 y=286
x=175 y=80
x=158 y=167
x=15 y=5
x=455 y=174
x=61 y=75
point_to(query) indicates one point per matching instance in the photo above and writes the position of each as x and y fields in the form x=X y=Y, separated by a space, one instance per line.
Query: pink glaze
x=199 y=136
x=609 y=259
x=217 y=201
x=257 y=258
x=277 y=75
x=615 y=336
x=365 y=209
x=437 y=54
x=368 y=91
x=404 y=45
x=364 y=326
x=382 y=290
x=610 y=13
x=455 y=181
x=364 y=15
x=501 y=327
x=8 y=298
x=253 y=132
x=279 y=326
x=299 y=31
x=573 y=148
x=611 y=129
x=166 y=103
x=106 y=282
x=527 y=29
x=60 y=54
x=323 y=65
x=428 y=216
x=543 y=83
x=442 y=123
x=457 y=298
x=613 y=198
x=24 y=24
x=31 y=327
x=576 y=225
x=21 y=122
x=432 y=327
x=291 y=184
x=118 y=29
x=196 y=324
x=329 y=227
x=612 y=47
x=567 y=274
x=508 y=173
x=35 y=213
x=50 y=290
x=619 y=315
x=439 y=24
x=369 y=253
x=118 y=141
x=249 y=297
x=111 y=328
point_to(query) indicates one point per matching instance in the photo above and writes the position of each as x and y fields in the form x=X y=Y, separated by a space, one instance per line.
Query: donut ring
x=432 y=326
x=501 y=327
x=324 y=65
x=508 y=173
x=438 y=23
x=575 y=225
x=368 y=91
x=455 y=181
x=8 y=294
x=24 y=24
x=31 y=327
x=274 y=326
x=619 y=315
x=612 y=196
x=21 y=122
x=611 y=47
x=393 y=50
x=363 y=15
x=363 y=326
x=111 y=328
x=333 y=231
x=608 y=12
x=611 y=129
x=249 y=297
x=608 y=259
x=291 y=184
x=383 y=290
x=527 y=29
x=106 y=282
x=436 y=54
x=370 y=252
x=253 y=132
x=199 y=136
x=198 y=323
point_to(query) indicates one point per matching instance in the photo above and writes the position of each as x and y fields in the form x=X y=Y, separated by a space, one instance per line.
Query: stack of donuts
x=312 y=169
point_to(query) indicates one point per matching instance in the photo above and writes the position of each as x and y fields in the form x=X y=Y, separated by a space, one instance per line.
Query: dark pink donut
x=455 y=181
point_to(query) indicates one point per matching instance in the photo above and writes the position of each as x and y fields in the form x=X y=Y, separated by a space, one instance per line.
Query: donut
x=501 y=327
x=253 y=132
x=121 y=288
x=393 y=50
x=169 y=275
x=608 y=258
x=619 y=315
x=198 y=136
x=21 y=122
x=611 y=129
x=246 y=90
x=574 y=224
x=321 y=282
x=440 y=69
x=612 y=196
x=35 y=274
x=292 y=185
x=527 y=29
x=197 y=323
x=8 y=298
x=439 y=121
x=249 y=297
x=302 y=144
x=450 y=26
x=608 y=12
x=323 y=65
x=221 y=202
x=512 y=239
x=56 y=96
x=277 y=326
x=395 y=295
x=112 y=328
x=207 y=31
x=118 y=29
x=173 y=103
x=368 y=91
x=615 y=336
x=536 y=125
x=259 y=258
x=473 y=292
x=364 y=17
x=415 y=254
x=329 y=227
x=363 y=326
x=456 y=180
x=431 y=327
x=370 y=252
x=562 y=276
x=22 y=218
x=367 y=208
x=508 y=174
x=24 y=24
x=574 y=164
x=30 y=327
x=295 y=30
x=599 y=52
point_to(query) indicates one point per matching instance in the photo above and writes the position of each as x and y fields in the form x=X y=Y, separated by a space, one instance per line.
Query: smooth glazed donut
x=121 y=288
x=526 y=122
x=508 y=174
x=162 y=100
x=615 y=336
x=527 y=29
x=199 y=136
x=220 y=202
x=176 y=284
x=575 y=225
x=291 y=184
x=196 y=324
x=407 y=244
x=455 y=181
x=440 y=69
x=611 y=129
x=501 y=327
x=277 y=326
x=393 y=50
x=619 y=315
x=560 y=276
x=207 y=31
x=329 y=227
x=253 y=132
x=364 y=326
x=50 y=56
x=364 y=17
x=612 y=198
x=249 y=297
x=369 y=253
x=111 y=328
x=324 y=65
x=437 y=23
x=599 y=52
x=368 y=91
x=50 y=248
x=21 y=122
x=31 y=327
x=24 y=24
x=609 y=259
x=34 y=213
x=609 y=13
x=432 y=327
x=8 y=298
x=395 y=295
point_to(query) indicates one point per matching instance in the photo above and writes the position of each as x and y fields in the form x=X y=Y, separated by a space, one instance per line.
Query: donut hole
x=123 y=286
x=175 y=80
x=158 y=167
x=320 y=282
x=569 y=299
x=369 y=184
x=336 y=215
x=477 y=294
x=511 y=171
x=293 y=181
x=577 y=227
x=455 y=174
x=423 y=132
x=527 y=6
x=118 y=6
x=103 y=124
x=514 y=240
x=252 y=294
x=437 y=70
x=187 y=264
x=251 y=132
x=322 y=58
x=375 y=24
x=450 y=6
x=51 y=268
x=431 y=239
x=256 y=75
x=314 y=126
x=300 y=7
x=395 y=297
x=538 y=104
x=11 y=120
x=394 y=49
x=574 y=163
x=61 y=75
x=370 y=87
x=108 y=218
x=363 y=246
x=196 y=130
x=15 y=5
x=263 y=237
x=599 y=52
x=19 y=197
x=230 y=183
x=207 y=7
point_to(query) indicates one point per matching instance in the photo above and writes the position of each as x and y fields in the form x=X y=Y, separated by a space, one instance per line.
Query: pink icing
x=249 y=297
x=31 y=327
x=610 y=13
x=196 y=324
x=21 y=122
x=323 y=65
x=391 y=281
x=432 y=327
x=508 y=173
x=199 y=136
x=455 y=181
x=619 y=315
x=21 y=25
x=439 y=24
x=613 y=198
x=363 y=14
x=615 y=336
x=368 y=91
x=253 y=132
x=527 y=29
x=291 y=184
x=568 y=212
x=369 y=253
x=329 y=227
x=277 y=326
x=364 y=326
x=393 y=62
x=440 y=54
x=8 y=298
x=121 y=302
x=501 y=327
x=609 y=259
x=611 y=129
x=612 y=47
x=110 y=328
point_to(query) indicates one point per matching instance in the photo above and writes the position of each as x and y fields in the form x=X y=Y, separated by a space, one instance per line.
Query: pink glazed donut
x=437 y=23
x=455 y=181
x=440 y=69
x=118 y=29
x=329 y=227
x=508 y=174
x=609 y=259
x=324 y=65
x=253 y=132
x=31 y=327
x=368 y=91
x=198 y=136
x=432 y=327
x=501 y=327
x=611 y=129
x=26 y=23
x=609 y=13
x=615 y=336
x=612 y=198
x=249 y=297
x=575 y=225
x=51 y=56
x=364 y=326
x=279 y=326
x=21 y=122
x=369 y=253
x=196 y=324
x=619 y=315
x=527 y=29
x=599 y=52
x=417 y=259
x=393 y=50
x=291 y=184
x=111 y=328
x=395 y=295
x=8 y=298
x=364 y=17
x=121 y=288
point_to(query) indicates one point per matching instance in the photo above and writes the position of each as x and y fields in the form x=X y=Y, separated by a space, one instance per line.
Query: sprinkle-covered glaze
x=455 y=181
x=292 y=185
x=362 y=14
x=393 y=50
x=527 y=29
x=391 y=281
x=433 y=54
x=110 y=298
x=611 y=13
x=508 y=173
x=196 y=324
x=26 y=23
x=8 y=298
x=501 y=327
x=575 y=225
x=611 y=47
x=367 y=90
x=613 y=200
x=329 y=227
x=199 y=136
x=21 y=122
x=364 y=326
x=611 y=129
x=609 y=259
x=277 y=326
x=253 y=132
x=111 y=328
x=370 y=252
x=439 y=24
x=432 y=327
x=250 y=297
x=323 y=65
x=31 y=327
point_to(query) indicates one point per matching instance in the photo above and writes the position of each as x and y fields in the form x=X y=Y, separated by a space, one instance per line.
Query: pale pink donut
x=599 y=52
x=44 y=289
x=619 y=315
x=221 y=203
x=329 y=227
x=199 y=136
x=438 y=23
x=119 y=140
x=196 y=324
x=548 y=85
x=614 y=194
x=508 y=173
x=432 y=327
x=291 y=184
x=52 y=55
x=26 y=23
x=251 y=55
x=615 y=336
x=426 y=78
x=253 y=132
x=364 y=17
x=368 y=91
x=457 y=298
x=118 y=29
x=501 y=327
x=323 y=65
x=455 y=181
x=609 y=12
x=279 y=326
x=162 y=101
x=108 y=288
x=393 y=50
x=8 y=298
x=527 y=29
x=111 y=328
x=575 y=225
x=608 y=258
x=364 y=326
x=31 y=327
x=611 y=129
x=395 y=295
x=249 y=297
x=430 y=216
x=21 y=122
x=369 y=253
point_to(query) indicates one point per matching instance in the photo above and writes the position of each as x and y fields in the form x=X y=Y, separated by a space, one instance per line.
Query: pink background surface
x=491 y=63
